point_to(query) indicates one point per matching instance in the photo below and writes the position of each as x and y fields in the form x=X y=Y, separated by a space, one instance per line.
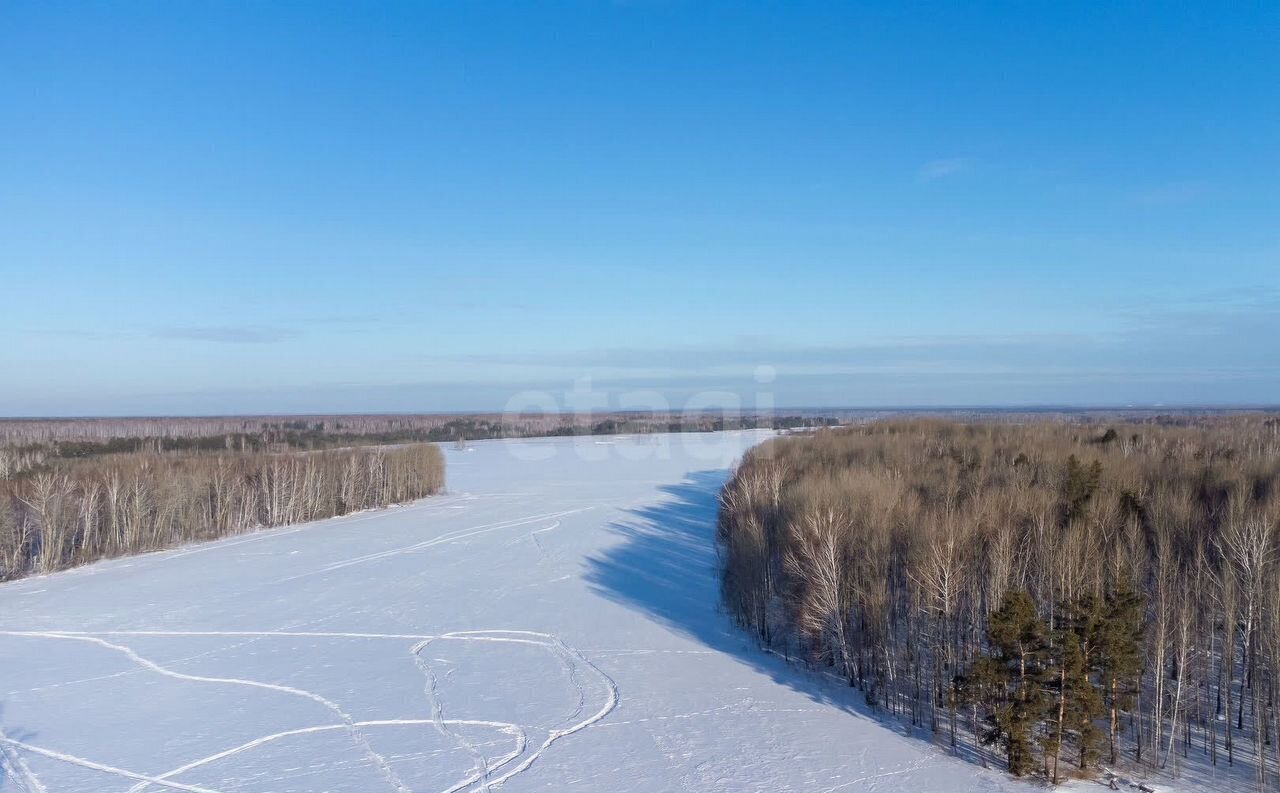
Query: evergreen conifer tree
x=1076 y=703
x=1016 y=636
x=1120 y=656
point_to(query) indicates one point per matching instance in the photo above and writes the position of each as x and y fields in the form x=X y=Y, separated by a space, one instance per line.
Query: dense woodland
x=70 y=511
x=1067 y=596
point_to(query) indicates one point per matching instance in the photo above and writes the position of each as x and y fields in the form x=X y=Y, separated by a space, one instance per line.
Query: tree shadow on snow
x=667 y=568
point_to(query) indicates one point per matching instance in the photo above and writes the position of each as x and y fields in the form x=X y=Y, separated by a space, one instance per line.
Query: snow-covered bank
x=550 y=625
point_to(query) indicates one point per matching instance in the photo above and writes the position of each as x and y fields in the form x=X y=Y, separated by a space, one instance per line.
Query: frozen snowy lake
x=549 y=625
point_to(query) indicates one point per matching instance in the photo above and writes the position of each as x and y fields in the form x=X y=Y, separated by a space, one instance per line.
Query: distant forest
x=28 y=445
x=1064 y=595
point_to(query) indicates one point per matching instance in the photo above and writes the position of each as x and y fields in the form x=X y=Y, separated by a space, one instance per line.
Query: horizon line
x=975 y=407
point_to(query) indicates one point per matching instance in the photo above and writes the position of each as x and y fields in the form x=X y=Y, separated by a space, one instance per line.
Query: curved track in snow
x=489 y=773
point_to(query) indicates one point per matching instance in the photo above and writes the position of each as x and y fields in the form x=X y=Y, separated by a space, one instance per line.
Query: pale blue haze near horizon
x=321 y=207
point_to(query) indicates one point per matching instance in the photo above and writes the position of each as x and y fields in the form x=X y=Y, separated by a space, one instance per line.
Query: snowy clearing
x=550 y=625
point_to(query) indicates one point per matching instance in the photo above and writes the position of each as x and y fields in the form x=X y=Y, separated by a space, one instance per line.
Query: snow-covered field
x=549 y=625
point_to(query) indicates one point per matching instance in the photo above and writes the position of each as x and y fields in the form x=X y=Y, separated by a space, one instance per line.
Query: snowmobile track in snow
x=481 y=779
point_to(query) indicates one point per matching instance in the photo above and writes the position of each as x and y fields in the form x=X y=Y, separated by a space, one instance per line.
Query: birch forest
x=58 y=512
x=1054 y=597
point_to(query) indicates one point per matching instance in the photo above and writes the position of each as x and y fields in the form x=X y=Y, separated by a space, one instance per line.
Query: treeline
x=84 y=439
x=44 y=431
x=1063 y=594
x=385 y=428
x=17 y=432
x=84 y=510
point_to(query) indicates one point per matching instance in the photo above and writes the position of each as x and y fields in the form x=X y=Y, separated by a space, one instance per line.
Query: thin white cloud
x=226 y=334
x=941 y=169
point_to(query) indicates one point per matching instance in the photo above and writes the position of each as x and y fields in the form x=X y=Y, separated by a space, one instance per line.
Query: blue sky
x=303 y=207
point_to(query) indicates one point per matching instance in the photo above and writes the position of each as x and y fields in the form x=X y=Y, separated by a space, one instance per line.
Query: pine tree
x=1120 y=656
x=1082 y=480
x=1076 y=702
x=1016 y=636
x=1087 y=622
